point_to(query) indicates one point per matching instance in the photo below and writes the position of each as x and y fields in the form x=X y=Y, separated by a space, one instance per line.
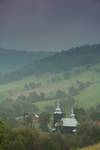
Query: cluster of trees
x=32 y=139
x=90 y=114
x=60 y=94
x=31 y=85
x=67 y=75
x=10 y=110
x=34 y=97
x=67 y=100
x=56 y=78
x=80 y=86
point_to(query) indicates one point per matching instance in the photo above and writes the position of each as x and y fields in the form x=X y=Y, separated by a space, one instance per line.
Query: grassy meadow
x=90 y=96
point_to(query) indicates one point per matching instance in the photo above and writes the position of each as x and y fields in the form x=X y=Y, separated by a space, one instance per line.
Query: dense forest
x=68 y=59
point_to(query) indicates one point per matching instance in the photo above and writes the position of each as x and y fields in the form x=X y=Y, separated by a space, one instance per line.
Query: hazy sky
x=49 y=24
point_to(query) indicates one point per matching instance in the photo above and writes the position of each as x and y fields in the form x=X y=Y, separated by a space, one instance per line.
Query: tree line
x=33 y=139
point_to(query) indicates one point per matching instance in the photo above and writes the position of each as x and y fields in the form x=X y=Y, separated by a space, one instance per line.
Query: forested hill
x=59 y=62
x=66 y=60
x=13 y=59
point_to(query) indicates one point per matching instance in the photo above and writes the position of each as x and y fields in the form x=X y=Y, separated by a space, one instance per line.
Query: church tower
x=58 y=115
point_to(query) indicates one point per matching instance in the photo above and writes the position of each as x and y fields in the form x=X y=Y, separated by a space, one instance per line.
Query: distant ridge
x=57 y=62
x=13 y=59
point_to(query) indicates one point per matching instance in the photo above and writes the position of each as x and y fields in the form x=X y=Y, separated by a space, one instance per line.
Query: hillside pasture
x=87 y=97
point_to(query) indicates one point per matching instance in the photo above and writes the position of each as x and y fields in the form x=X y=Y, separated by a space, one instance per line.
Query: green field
x=90 y=96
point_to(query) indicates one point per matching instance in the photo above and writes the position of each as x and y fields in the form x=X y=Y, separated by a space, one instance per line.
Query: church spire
x=72 y=113
x=58 y=109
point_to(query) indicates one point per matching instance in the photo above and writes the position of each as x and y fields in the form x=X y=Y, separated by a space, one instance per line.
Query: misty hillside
x=66 y=60
x=13 y=59
x=59 y=62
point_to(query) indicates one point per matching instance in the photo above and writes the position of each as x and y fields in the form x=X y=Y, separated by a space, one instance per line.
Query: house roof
x=69 y=122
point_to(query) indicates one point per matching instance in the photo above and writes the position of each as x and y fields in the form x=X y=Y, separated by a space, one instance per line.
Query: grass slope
x=94 y=147
x=86 y=98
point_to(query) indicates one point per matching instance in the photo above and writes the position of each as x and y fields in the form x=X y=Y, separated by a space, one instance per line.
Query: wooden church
x=64 y=124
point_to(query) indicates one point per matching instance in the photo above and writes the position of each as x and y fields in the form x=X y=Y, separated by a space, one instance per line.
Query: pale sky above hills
x=49 y=24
